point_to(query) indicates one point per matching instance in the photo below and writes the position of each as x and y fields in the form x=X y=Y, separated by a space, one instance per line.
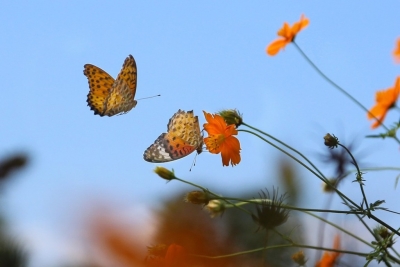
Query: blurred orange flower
x=117 y=244
x=122 y=245
x=329 y=258
x=221 y=140
x=396 y=52
x=385 y=100
x=287 y=35
x=174 y=256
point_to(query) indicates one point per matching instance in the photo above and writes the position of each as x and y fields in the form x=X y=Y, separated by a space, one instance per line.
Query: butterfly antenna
x=148 y=97
x=194 y=162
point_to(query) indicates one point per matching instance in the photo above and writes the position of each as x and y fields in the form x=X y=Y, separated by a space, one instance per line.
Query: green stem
x=374 y=169
x=384 y=224
x=283 y=151
x=283 y=246
x=340 y=228
x=301 y=163
x=339 y=88
x=309 y=212
x=212 y=193
x=284 y=144
x=294 y=208
x=366 y=226
x=395 y=252
x=359 y=178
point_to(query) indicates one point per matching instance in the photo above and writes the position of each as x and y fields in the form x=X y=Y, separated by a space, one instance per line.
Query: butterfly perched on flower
x=183 y=136
x=108 y=97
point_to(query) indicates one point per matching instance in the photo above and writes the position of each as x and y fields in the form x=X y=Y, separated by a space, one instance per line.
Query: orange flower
x=396 y=52
x=220 y=139
x=116 y=243
x=174 y=256
x=329 y=258
x=287 y=35
x=385 y=100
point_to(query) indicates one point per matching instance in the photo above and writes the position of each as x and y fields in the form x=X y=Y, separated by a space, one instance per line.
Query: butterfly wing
x=186 y=126
x=120 y=100
x=128 y=73
x=183 y=137
x=122 y=94
x=108 y=96
x=167 y=147
x=100 y=85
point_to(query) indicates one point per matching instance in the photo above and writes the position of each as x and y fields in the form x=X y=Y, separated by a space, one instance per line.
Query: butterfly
x=182 y=138
x=108 y=97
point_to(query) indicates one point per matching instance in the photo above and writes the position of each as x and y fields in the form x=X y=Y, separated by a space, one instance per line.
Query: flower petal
x=285 y=31
x=376 y=111
x=385 y=100
x=274 y=47
x=230 y=151
x=381 y=118
x=298 y=26
x=216 y=124
x=221 y=140
x=230 y=130
x=329 y=258
x=396 y=52
x=287 y=35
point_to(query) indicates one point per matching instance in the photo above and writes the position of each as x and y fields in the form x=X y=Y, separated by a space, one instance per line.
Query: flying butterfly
x=109 y=97
x=183 y=136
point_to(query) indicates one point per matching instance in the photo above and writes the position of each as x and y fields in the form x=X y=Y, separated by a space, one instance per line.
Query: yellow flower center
x=217 y=140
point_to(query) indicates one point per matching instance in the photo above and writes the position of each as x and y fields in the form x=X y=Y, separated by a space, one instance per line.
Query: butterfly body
x=182 y=138
x=108 y=97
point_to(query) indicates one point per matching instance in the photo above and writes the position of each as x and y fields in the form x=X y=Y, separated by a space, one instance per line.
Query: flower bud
x=299 y=258
x=331 y=141
x=231 y=116
x=165 y=173
x=330 y=188
x=270 y=212
x=215 y=207
x=197 y=197
x=385 y=235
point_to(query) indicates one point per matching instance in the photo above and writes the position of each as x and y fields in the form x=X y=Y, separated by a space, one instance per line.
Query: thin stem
x=192 y=184
x=257 y=201
x=384 y=224
x=371 y=216
x=309 y=212
x=283 y=246
x=359 y=177
x=214 y=194
x=374 y=169
x=283 y=151
x=395 y=252
x=340 y=228
x=284 y=144
x=339 y=88
x=301 y=163
x=366 y=226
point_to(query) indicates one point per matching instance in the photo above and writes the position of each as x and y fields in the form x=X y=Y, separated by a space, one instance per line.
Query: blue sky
x=199 y=56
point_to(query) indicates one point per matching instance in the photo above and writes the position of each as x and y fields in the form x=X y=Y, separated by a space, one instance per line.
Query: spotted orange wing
x=100 y=84
x=128 y=73
x=108 y=97
x=182 y=138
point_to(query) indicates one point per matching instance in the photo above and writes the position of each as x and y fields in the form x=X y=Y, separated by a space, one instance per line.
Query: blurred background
x=70 y=166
